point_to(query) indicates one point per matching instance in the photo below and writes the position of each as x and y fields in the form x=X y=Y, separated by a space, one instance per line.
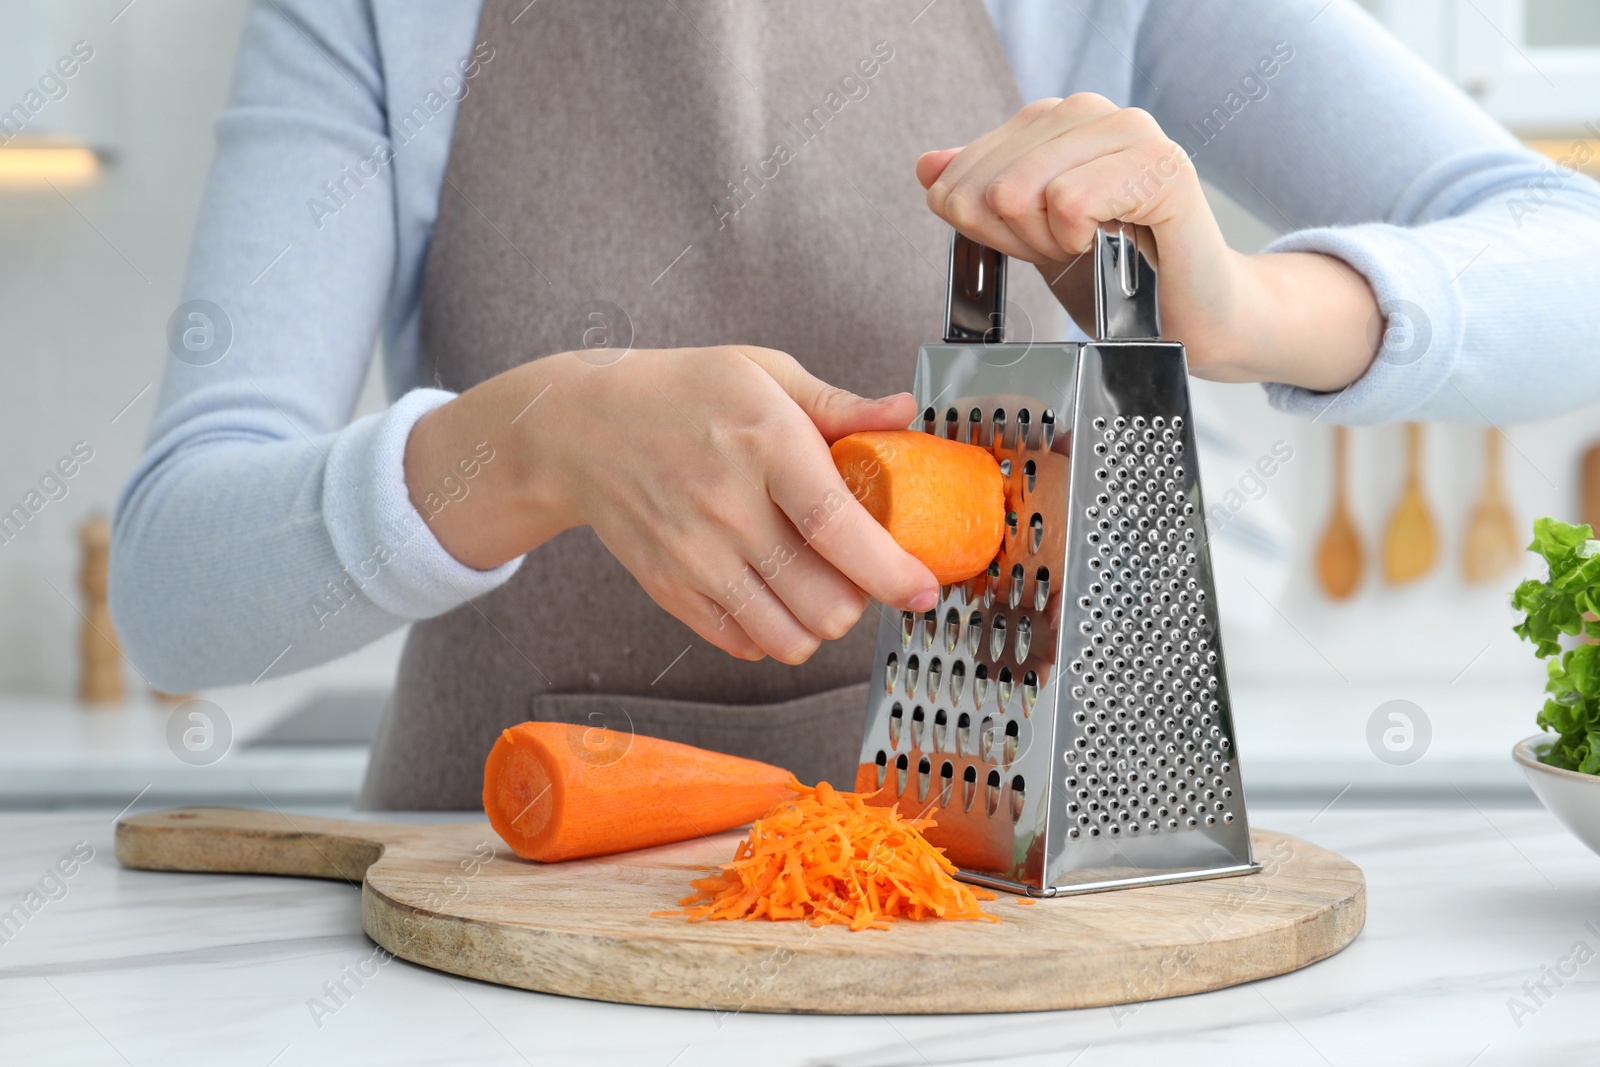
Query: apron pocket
x=817 y=737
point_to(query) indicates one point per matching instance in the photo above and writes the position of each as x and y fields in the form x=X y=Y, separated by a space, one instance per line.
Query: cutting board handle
x=240 y=841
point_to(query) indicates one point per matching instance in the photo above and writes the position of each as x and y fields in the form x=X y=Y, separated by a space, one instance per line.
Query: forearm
x=479 y=470
x=1311 y=321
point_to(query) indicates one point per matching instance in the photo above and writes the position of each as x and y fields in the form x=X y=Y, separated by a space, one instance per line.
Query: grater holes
x=1003 y=686
x=964 y=735
x=908 y=625
x=958 y=681
x=924 y=774
x=1047 y=428
x=974 y=427
x=891 y=672
x=897 y=719
x=935 y=677
x=902 y=766
x=1008 y=747
x=918 y=722
x=947 y=777
x=913 y=672
x=969 y=787
x=952 y=629
x=992 y=793
x=1018 y=579
x=980 y=684
x=1018 y=797
x=929 y=626
x=997 y=438
x=1030 y=476
x=881 y=763
x=941 y=730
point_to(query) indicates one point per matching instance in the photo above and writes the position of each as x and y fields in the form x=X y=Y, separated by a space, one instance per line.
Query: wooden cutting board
x=454 y=898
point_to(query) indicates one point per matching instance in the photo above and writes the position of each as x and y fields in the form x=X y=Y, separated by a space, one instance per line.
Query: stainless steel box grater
x=1065 y=716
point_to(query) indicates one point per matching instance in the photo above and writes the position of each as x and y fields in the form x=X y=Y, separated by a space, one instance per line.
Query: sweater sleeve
x=263 y=531
x=1478 y=249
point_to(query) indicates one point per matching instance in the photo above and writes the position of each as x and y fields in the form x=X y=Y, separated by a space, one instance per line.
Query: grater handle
x=975 y=292
x=1125 y=303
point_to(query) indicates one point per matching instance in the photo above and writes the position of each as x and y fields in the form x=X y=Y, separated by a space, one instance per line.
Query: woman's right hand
x=705 y=471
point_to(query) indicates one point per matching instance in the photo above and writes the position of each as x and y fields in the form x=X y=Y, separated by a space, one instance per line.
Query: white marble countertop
x=1469 y=908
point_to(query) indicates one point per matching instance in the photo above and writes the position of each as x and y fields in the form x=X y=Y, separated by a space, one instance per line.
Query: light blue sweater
x=264 y=529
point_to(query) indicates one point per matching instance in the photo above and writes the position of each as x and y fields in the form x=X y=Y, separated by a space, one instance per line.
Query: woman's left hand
x=1038 y=187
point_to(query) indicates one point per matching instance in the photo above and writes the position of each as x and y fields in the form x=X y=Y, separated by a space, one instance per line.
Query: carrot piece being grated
x=830 y=857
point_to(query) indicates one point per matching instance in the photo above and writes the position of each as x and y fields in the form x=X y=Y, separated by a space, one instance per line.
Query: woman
x=634 y=265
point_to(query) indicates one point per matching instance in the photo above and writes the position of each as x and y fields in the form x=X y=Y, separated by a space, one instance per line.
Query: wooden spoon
x=1491 y=544
x=1339 y=555
x=1589 y=475
x=1411 y=545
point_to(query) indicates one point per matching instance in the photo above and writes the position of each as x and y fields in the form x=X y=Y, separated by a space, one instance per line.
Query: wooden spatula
x=1339 y=555
x=1411 y=545
x=1491 y=543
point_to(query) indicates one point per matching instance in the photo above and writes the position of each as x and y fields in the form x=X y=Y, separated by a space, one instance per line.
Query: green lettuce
x=1554 y=608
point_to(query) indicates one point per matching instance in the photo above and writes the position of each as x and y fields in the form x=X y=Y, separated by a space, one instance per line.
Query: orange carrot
x=557 y=792
x=942 y=501
x=830 y=857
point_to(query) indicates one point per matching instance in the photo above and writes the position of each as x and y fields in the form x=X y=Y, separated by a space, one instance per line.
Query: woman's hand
x=1038 y=187
x=706 y=473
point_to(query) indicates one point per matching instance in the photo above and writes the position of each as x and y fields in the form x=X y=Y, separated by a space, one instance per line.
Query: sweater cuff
x=386 y=548
x=1418 y=297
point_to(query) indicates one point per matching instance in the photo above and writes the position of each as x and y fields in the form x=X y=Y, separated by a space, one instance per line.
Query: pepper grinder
x=101 y=679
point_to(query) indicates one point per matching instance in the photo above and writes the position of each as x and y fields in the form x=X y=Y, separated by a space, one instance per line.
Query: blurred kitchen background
x=97 y=200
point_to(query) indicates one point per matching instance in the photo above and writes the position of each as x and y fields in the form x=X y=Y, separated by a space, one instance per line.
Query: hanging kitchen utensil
x=1065 y=716
x=1339 y=555
x=1589 y=487
x=1411 y=544
x=1491 y=546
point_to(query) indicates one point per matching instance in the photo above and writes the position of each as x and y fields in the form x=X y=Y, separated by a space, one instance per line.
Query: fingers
x=932 y=164
x=806 y=486
x=1017 y=194
x=824 y=601
x=1021 y=193
x=808 y=489
x=957 y=194
x=1079 y=201
x=835 y=412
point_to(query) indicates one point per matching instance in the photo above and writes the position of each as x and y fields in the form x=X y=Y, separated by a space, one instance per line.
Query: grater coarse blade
x=1065 y=716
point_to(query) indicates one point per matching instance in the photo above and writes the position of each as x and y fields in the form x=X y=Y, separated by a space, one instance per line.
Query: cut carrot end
x=556 y=792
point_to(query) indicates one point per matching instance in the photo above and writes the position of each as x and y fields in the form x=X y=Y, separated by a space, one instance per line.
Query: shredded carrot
x=830 y=857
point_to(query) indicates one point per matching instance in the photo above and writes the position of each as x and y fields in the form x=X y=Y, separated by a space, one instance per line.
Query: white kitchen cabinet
x=1532 y=64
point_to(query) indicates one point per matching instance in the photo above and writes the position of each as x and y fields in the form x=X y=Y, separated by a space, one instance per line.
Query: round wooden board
x=454 y=898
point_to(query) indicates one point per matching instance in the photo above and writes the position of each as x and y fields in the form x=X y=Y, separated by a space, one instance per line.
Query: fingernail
x=924 y=600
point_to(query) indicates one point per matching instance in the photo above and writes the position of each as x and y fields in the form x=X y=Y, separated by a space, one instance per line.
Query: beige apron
x=677 y=173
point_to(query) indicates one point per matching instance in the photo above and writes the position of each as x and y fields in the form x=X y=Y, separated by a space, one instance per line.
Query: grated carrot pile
x=830 y=857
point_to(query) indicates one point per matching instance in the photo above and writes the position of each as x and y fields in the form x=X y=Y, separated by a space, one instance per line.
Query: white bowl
x=1571 y=797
